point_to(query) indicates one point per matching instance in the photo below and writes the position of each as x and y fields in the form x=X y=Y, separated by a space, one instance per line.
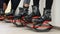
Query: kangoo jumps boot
x=2 y=14
x=43 y=21
x=18 y=18
x=35 y=12
x=46 y=16
x=9 y=16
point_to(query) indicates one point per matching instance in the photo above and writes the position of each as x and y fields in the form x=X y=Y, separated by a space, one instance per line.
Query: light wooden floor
x=9 y=28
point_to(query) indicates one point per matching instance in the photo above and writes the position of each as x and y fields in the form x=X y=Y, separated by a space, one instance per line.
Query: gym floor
x=9 y=28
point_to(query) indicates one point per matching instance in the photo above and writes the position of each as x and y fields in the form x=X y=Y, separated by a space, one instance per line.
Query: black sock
x=36 y=2
x=49 y=4
x=15 y=4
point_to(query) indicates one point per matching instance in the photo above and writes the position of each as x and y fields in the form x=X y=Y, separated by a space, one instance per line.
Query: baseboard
x=55 y=27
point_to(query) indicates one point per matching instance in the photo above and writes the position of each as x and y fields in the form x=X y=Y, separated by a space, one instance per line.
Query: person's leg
x=35 y=11
x=48 y=7
x=26 y=4
x=15 y=4
x=6 y=1
x=36 y=2
x=46 y=13
x=35 y=7
x=5 y=4
x=1 y=3
x=49 y=4
x=1 y=7
x=22 y=12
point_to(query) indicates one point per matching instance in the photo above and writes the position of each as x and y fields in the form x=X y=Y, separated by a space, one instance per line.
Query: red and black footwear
x=44 y=19
x=2 y=17
x=10 y=16
x=19 y=18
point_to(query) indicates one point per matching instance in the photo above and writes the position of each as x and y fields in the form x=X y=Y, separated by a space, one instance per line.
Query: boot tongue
x=47 y=13
x=21 y=10
x=47 y=10
x=36 y=10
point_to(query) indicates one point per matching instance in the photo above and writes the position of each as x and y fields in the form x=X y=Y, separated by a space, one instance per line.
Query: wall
x=56 y=13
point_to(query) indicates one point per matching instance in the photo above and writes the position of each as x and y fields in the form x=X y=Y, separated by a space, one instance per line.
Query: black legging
x=1 y=3
x=48 y=3
x=36 y=2
x=14 y=3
